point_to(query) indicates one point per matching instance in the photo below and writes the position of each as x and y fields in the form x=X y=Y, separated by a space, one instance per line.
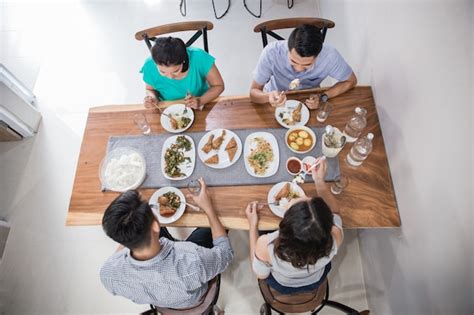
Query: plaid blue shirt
x=176 y=278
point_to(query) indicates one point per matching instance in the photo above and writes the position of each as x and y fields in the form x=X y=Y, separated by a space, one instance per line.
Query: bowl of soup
x=300 y=139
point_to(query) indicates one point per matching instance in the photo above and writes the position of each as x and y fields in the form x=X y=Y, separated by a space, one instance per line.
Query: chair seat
x=203 y=306
x=293 y=303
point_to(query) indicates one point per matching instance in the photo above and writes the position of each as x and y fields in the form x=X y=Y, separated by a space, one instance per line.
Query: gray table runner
x=151 y=146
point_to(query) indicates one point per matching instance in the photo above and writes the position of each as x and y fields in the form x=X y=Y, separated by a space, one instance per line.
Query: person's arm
x=151 y=97
x=335 y=90
x=342 y=86
x=323 y=191
x=203 y=201
x=216 y=85
x=258 y=253
x=257 y=95
x=215 y=260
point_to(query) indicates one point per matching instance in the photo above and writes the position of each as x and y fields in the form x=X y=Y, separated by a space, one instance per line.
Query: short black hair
x=127 y=220
x=305 y=233
x=307 y=40
x=170 y=51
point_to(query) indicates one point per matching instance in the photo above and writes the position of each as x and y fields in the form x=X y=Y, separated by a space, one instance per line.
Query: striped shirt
x=175 y=278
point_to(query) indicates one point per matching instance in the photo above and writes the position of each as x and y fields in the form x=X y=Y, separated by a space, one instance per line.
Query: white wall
x=418 y=58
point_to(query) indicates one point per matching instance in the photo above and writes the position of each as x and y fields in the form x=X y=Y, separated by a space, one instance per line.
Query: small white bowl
x=304 y=128
x=295 y=159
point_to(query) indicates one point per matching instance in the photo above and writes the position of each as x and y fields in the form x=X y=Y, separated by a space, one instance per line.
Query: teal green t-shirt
x=200 y=63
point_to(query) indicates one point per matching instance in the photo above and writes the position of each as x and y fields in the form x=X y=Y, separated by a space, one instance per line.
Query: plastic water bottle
x=360 y=150
x=355 y=125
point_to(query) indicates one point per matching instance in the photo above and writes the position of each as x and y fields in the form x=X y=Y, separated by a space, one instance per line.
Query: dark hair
x=127 y=220
x=170 y=51
x=305 y=233
x=307 y=40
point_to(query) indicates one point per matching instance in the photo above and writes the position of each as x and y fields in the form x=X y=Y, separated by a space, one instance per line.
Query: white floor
x=78 y=54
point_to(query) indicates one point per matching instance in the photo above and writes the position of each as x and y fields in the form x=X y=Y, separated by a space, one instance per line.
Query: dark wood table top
x=368 y=202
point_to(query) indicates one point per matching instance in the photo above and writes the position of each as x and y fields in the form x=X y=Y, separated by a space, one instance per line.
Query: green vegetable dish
x=174 y=157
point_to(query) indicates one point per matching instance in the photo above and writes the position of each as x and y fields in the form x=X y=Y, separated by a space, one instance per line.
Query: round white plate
x=250 y=144
x=280 y=210
x=154 y=201
x=126 y=157
x=187 y=167
x=224 y=160
x=176 y=111
x=288 y=109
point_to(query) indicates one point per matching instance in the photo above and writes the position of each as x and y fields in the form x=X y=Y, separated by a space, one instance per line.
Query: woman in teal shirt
x=175 y=72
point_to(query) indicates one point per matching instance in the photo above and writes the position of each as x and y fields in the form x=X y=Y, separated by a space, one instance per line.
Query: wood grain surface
x=368 y=202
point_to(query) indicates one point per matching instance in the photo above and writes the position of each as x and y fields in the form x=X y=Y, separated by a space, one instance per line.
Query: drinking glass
x=194 y=187
x=142 y=123
x=324 y=111
x=339 y=184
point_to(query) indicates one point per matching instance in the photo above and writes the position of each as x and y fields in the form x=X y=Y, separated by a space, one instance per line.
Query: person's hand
x=251 y=213
x=319 y=172
x=193 y=102
x=150 y=101
x=276 y=98
x=313 y=101
x=203 y=200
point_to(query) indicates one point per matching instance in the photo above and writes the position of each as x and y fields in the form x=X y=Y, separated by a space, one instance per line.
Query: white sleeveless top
x=284 y=272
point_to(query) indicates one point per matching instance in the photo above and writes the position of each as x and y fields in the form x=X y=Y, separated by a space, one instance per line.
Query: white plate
x=288 y=109
x=224 y=160
x=250 y=144
x=154 y=201
x=187 y=167
x=176 y=111
x=280 y=210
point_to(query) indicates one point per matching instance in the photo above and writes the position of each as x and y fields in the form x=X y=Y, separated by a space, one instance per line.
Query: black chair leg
x=343 y=308
x=259 y=15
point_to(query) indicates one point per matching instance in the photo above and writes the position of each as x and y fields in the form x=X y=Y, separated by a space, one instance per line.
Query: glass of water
x=339 y=184
x=194 y=187
x=142 y=123
x=324 y=111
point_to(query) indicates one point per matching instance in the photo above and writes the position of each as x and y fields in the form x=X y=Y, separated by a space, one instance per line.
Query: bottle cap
x=370 y=136
x=329 y=129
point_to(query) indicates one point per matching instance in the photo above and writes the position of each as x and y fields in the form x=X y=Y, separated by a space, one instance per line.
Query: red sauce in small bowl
x=294 y=166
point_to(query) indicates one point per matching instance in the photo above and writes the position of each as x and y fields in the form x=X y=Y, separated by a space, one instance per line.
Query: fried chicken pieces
x=208 y=146
x=215 y=143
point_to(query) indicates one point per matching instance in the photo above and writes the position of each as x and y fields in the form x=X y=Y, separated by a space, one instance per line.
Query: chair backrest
x=201 y=28
x=294 y=303
x=206 y=303
x=269 y=27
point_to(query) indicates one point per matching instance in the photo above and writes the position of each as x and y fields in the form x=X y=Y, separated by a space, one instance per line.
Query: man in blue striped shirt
x=153 y=268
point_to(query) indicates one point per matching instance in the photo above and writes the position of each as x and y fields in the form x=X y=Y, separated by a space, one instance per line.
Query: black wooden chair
x=207 y=305
x=268 y=27
x=312 y=301
x=290 y=4
x=201 y=28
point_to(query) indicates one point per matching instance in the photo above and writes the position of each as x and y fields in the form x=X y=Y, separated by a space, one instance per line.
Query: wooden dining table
x=367 y=202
